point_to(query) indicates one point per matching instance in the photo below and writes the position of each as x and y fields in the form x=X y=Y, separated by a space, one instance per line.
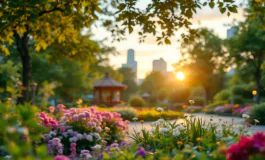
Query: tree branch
x=49 y=11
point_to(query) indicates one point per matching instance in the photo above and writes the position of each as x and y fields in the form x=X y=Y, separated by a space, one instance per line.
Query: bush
x=208 y=110
x=223 y=95
x=152 y=114
x=127 y=113
x=199 y=101
x=238 y=100
x=136 y=101
x=82 y=128
x=258 y=112
x=217 y=103
x=179 y=95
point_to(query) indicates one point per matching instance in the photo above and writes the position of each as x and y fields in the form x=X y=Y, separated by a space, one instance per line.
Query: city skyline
x=149 y=50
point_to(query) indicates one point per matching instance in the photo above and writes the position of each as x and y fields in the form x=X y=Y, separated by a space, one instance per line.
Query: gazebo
x=108 y=91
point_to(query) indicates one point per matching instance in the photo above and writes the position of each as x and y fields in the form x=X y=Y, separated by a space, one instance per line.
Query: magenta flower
x=51 y=109
x=61 y=157
x=248 y=124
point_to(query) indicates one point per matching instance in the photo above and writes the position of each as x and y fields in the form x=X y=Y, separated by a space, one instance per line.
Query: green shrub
x=217 y=103
x=258 y=112
x=223 y=95
x=238 y=100
x=137 y=101
x=199 y=101
x=127 y=113
x=209 y=110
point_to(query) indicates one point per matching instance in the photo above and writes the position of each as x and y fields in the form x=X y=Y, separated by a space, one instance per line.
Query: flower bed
x=78 y=129
x=152 y=114
x=87 y=133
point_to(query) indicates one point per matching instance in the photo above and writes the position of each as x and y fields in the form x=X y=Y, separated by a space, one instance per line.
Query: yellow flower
x=179 y=142
x=141 y=121
x=200 y=147
x=198 y=139
x=236 y=105
x=218 y=143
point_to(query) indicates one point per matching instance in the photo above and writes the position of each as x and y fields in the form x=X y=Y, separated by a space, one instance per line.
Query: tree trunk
x=22 y=48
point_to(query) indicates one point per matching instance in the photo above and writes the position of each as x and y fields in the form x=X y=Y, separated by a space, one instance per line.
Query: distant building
x=131 y=63
x=160 y=65
x=230 y=32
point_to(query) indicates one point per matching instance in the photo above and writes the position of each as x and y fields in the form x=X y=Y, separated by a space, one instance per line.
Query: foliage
x=152 y=81
x=194 y=133
x=136 y=101
x=217 y=103
x=247 y=50
x=129 y=80
x=223 y=95
x=200 y=62
x=180 y=94
x=20 y=133
x=127 y=113
x=238 y=100
x=152 y=114
x=199 y=101
x=194 y=109
x=81 y=128
x=257 y=112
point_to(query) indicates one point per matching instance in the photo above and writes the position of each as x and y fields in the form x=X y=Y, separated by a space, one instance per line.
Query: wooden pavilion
x=108 y=91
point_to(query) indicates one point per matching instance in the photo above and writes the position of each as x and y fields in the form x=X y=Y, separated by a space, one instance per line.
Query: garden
x=62 y=133
x=66 y=93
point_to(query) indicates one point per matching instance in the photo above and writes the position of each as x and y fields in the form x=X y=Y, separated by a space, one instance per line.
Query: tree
x=153 y=82
x=201 y=62
x=247 y=49
x=129 y=80
x=53 y=21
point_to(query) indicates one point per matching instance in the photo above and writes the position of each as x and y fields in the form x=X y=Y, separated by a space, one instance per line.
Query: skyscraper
x=160 y=65
x=230 y=32
x=131 y=63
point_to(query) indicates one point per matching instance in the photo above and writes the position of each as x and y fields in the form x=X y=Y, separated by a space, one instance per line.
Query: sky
x=148 y=51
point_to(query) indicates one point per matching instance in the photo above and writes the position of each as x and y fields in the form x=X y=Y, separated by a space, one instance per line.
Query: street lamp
x=254 y=93
x=33 y=87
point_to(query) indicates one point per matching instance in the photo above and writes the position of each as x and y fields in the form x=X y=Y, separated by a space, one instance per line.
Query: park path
x=237 y=120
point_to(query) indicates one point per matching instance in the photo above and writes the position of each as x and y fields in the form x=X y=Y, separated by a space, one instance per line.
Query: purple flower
x=141 y=152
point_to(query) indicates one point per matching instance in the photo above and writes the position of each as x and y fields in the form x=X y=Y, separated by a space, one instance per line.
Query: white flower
x=175 y=133
x=153 y=130
x=23 y=130
x=191 y=101
x=204 y=127
x=7 y=157
x=256 y=121
x=89 y=138
x=160 y=120
x=163 y=130
x=11 y=129
x=245 y=116
x=159 y=109
x=135 y=119
x=97 y=146
x=180 y=127
x=219 y=135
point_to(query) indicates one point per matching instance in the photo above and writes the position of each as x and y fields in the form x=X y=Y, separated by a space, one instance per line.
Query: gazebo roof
x=107 y=81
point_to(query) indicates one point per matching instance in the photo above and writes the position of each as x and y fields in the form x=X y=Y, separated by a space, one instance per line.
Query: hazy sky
x=146 y=52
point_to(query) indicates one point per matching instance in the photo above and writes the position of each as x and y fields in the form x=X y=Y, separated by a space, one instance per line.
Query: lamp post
x=33 y=87
x=254 y=93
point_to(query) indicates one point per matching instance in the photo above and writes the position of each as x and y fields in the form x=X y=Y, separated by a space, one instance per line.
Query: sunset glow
x=180 y=76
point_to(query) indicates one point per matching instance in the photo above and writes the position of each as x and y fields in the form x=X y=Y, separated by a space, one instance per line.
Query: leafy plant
x=136 y=101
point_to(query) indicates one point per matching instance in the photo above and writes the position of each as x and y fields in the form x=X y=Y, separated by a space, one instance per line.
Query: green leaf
x=228 y=14
x=211 y=4
x=222 y=10
x=121 y=6
x=232 y=9
x=205 y=3
x=130 y=29
x=189 y=13
x=167 y=41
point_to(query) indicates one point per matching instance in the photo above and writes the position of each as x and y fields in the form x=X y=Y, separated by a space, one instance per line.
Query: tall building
x=230 y=32
x=160 y=65
x=131 y=63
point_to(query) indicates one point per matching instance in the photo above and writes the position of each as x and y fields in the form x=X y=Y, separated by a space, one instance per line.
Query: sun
x=180 y=76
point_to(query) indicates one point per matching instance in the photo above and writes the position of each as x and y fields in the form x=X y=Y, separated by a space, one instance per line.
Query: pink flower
x=61 y=106
x=51 y=108
x=61 y=157
x=248 y=124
